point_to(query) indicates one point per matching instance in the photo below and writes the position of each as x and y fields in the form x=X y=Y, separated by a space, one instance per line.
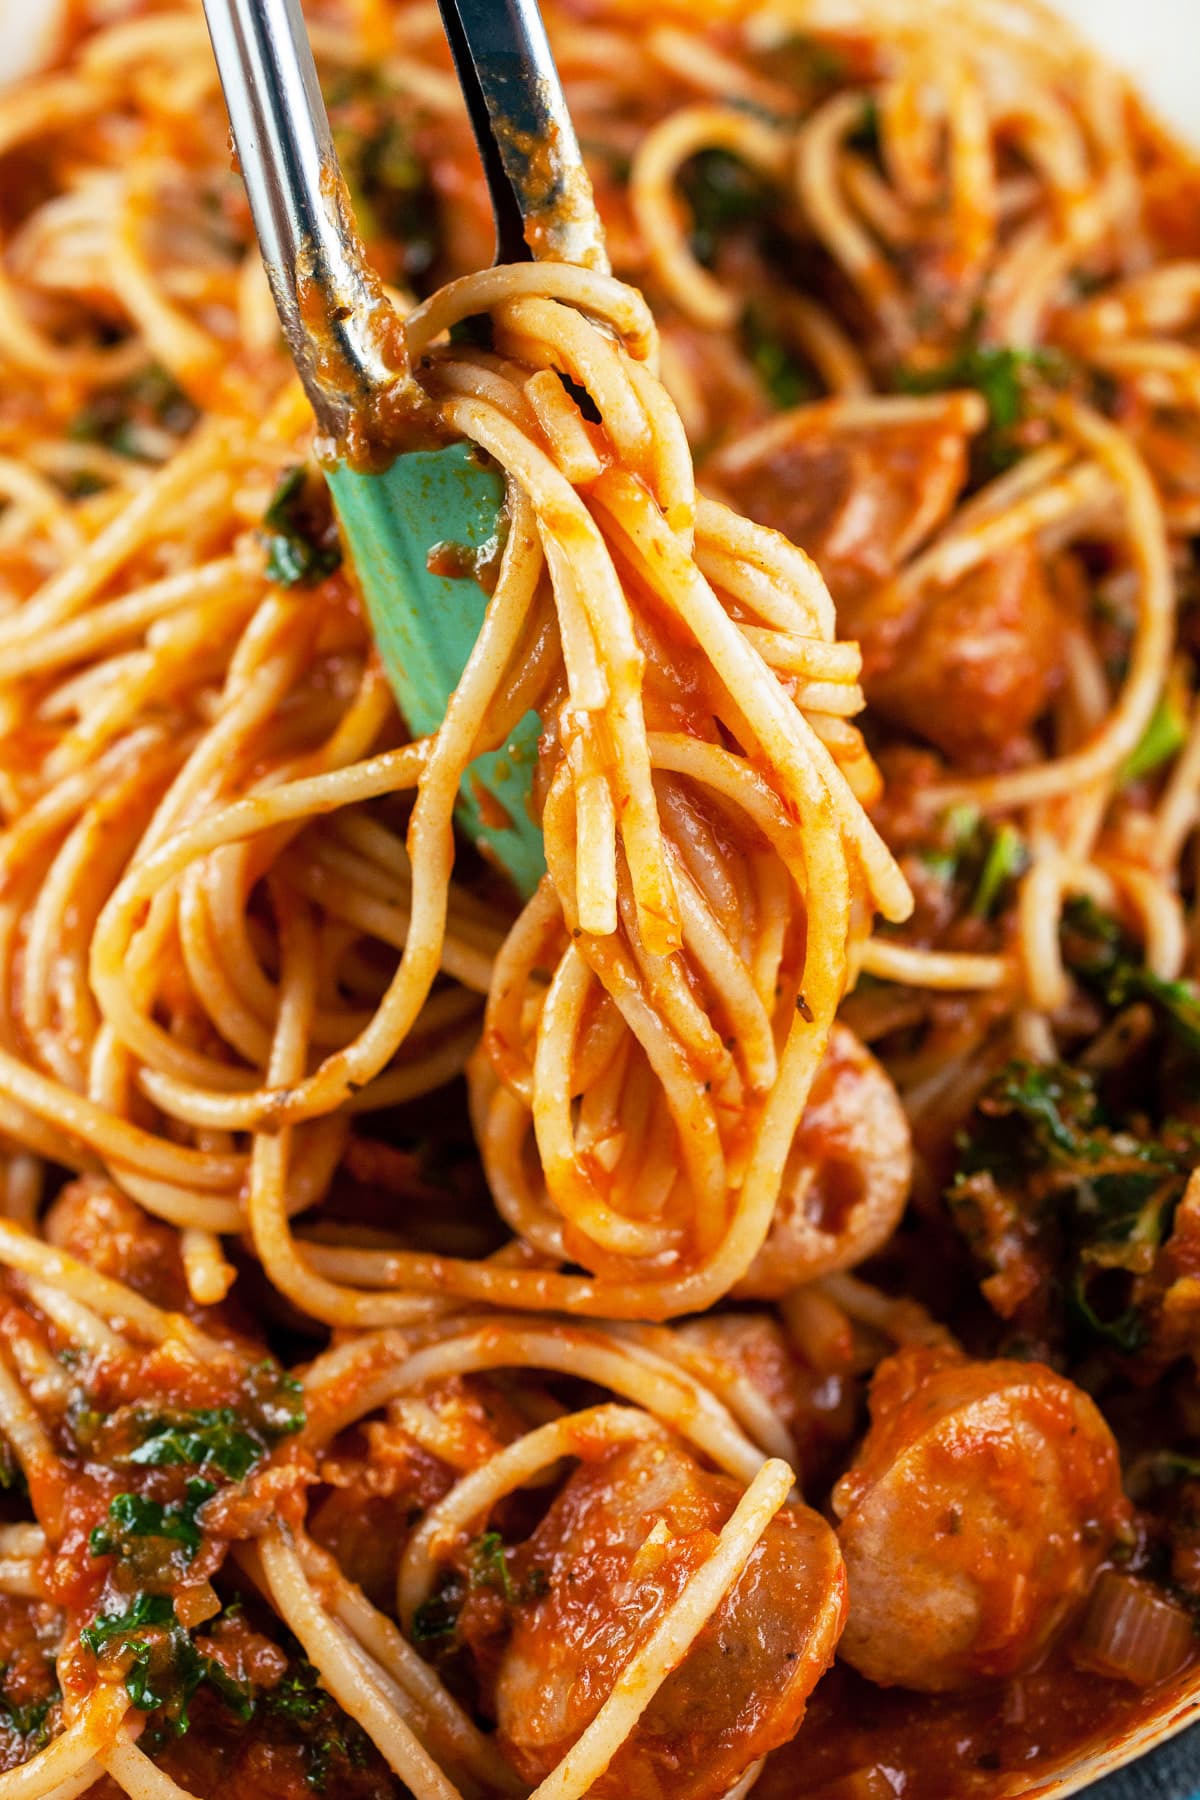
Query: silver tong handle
x=541 y=193
x=330 y=302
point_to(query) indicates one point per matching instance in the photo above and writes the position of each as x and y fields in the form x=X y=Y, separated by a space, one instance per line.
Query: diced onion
x=1131 y=1630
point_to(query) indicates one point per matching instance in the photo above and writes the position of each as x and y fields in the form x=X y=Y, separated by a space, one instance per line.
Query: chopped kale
x=1104 y=959
x=30 y=1721
x=278 y=1400
x=537 y=1583
x=121 y=418
x=301 y=538
x=213 y=1437
x=12 y=1475
x=1125 y=1330
x=476 y=329
x=808 y=63
x=722 y=193
x=1004 y=859
x=983 y=859
x=221 y=1438
x=132 y=1515
x=1163 y=738
x=1166 y=1467
x=1004 y=377
x=1048 y=1180
x=299 y=1696
x=162 y=1667
x=436 y=1619
x=394 y=202
x=955 y=844
x=327 y=1735
x=865 y=136
x=784 y=375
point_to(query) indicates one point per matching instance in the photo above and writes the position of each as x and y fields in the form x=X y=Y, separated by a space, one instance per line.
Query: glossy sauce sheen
x=861 y=1742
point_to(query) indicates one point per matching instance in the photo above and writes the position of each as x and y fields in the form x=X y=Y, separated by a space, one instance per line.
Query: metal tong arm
x=540 y=191
x=330 y=302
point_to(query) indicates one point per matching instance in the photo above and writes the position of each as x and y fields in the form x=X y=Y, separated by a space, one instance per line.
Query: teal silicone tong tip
x=425 y=623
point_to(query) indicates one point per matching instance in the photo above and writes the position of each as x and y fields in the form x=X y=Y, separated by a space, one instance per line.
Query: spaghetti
x=907 y=416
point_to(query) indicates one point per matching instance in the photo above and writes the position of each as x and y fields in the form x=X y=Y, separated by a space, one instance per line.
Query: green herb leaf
x=1169 y=1466
x=143 y=1609
x=476 y=329
x=981 y=856
x=958 y=831
x=326 y=1734
x=1005 y=860
x=489 y=1565
x=783 y=374
x=30 y=1721
x=865 y=136
x=394 y=201
x=161 y=1665
x=302 y=548
x=1059 y=1103
x=722 y=193
x=807 y=62
x=1054 y=1197
x=1162 y=739
x=299 y=1695
x=1002 y=376
x=126 y=419
x=212 y=1437
x=1101 y=954
x=1126 y=1332
x=132 y=1515
x=436 y=1619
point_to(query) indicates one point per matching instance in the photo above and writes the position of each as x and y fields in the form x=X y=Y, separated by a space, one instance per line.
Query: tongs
x=341 y=334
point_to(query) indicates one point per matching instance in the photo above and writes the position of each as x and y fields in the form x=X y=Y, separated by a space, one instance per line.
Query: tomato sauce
x=862 y=1742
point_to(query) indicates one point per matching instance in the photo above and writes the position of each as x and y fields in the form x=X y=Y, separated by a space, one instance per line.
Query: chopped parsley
x=489 y=1566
